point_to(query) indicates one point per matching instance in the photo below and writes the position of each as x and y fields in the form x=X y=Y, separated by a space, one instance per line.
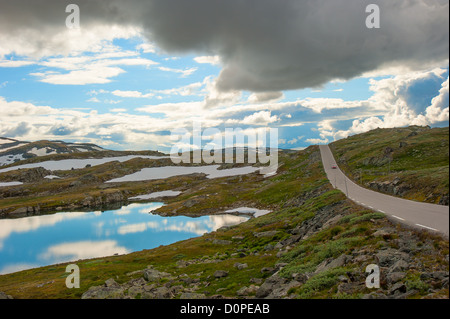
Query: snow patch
x=68 y=164
x=156 y=195
x=247 y=210
x=42 y=151
x=6 y=184
x=11 y=147
x=9 y=159
x=211 y=171
x=51 y=177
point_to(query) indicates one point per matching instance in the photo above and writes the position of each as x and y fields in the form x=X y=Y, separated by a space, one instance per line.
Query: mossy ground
x=296 y=194
x=419 y=158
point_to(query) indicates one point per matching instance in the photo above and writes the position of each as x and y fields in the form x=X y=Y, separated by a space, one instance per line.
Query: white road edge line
x=398 y=217
x=382 y=211
x=426 y=227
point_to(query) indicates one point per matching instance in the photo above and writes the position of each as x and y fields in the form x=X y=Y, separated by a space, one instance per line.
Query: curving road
x=417 y=214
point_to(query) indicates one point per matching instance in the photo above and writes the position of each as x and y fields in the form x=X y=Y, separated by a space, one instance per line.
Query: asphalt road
x=432 y=217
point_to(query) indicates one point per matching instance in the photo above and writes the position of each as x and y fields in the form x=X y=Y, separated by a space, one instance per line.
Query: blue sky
x=121 y=89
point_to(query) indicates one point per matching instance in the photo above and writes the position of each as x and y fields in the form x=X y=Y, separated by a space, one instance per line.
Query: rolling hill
x=12 y=151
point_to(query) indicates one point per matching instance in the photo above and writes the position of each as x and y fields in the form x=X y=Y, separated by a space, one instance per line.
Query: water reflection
x=48 y=239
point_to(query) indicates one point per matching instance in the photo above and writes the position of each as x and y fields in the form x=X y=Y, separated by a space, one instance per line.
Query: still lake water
x=37 y=241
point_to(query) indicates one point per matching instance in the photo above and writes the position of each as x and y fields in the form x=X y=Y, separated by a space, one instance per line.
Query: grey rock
x=240 y=266
x=99 y=292
x=268 y=270
x=269 y=233
x=436 y=275
x=220 y=273
x=5 y=296
x=19 y=212
x=388 y=257
x=343 y=278
x=135 y=291
x=350 y=287
x=111 y=283
x=162 y=293
x=394 y=277
x=192 y=295
x=256 y=280
x=281 y=290
x=302 y=278
x=245 y=291
x=399 y=266
x=375 y=295
x=271 y=283
x=398 y=287
x=383 y=232
x=406 y=294
x=154 y=275
x=338 y=262
x=221 y=242
x=279 y=266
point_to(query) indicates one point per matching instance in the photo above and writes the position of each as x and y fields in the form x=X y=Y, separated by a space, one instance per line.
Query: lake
x=43 y=240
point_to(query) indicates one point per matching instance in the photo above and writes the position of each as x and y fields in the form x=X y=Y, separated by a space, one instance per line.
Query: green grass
x=419 y=159
x=295 y=195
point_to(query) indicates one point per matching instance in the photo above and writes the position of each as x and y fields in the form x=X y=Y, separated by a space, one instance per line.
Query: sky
x=135 y=71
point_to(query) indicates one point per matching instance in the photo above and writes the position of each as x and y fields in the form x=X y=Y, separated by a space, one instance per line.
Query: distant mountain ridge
x=12 y=150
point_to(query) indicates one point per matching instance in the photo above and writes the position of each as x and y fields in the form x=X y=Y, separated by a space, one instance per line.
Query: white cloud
x=265 y=97
x=190 y=89
x=90 y=75
x=295 y=140
x=210 y=59
x=317 y=141
x=83 y=250
x=14 y=63
x=98 y=68
x=94 y=100
x=146 y=47
x=38 y=43
x=260 y=118
x=134 y=94
x=438 y=111
x=118 y=110
x=390 y=108
x=184 y=73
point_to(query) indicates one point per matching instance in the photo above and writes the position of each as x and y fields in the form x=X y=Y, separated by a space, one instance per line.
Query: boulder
x=268 y=270
x=397 y=288
x=221 y=242
x=102 y=292
x=388 y=257
x=280 y=291
x=240 y=266
x=5 y=296
x=154 y=275
x=394 y=277
x=220 y=273
x=192 y=295
x=399 y=266
x=245 y=291
x=269 y=233
x=271 y=283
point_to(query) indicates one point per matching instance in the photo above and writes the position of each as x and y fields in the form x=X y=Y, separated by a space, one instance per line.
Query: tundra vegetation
x=316 y=243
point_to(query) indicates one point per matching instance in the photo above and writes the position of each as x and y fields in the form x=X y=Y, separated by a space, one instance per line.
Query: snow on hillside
x=68 y=164
x=12 y=151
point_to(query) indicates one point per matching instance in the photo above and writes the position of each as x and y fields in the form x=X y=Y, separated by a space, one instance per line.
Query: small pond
x=37 y=241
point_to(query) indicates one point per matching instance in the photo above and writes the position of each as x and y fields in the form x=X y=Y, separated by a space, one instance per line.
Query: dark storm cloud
x=266 y=45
